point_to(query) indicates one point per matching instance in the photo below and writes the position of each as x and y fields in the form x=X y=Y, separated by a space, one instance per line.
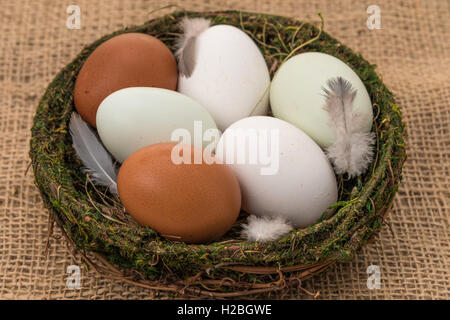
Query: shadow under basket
x=115 y=246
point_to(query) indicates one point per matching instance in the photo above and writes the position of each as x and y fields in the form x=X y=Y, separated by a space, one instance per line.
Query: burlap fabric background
x=412 y=51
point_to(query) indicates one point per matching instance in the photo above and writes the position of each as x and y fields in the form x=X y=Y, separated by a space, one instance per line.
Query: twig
x=50 y=226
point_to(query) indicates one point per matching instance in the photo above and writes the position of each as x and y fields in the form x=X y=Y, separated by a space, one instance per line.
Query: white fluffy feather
x=96 y=160
x=264 y=229
x=186 y=43
x=352 y=150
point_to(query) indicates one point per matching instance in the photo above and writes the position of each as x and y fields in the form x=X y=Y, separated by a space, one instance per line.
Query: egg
x=193 y=203
x=126 y=60
x=297 y=96
x=132 y=118
x=281 y=170
x=230 y=77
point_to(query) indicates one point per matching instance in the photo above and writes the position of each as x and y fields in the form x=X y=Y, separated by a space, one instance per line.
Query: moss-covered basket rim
x=97 y=224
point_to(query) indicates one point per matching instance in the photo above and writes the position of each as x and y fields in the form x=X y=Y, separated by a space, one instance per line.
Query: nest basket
x=111 y=243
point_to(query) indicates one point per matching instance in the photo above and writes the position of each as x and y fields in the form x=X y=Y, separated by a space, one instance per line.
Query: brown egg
x=127 y=60
x=193 y=203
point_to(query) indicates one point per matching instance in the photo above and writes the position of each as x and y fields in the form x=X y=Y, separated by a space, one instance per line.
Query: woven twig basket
x=114 y=245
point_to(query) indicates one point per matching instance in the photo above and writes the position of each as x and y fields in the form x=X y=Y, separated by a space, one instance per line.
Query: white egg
x=297 y=96
x=291 y=176
x=132 y=118
x=230 y=77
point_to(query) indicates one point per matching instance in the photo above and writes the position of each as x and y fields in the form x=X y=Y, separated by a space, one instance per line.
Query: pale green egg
x=297 y=96
x=132 y=118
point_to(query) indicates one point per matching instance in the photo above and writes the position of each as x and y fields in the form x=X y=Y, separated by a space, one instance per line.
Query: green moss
x=358 y=214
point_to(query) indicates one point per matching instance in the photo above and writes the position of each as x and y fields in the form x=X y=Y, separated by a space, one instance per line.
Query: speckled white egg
x=291 y=178
x=297 y=96
x=230 y=77
x=135 y=117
